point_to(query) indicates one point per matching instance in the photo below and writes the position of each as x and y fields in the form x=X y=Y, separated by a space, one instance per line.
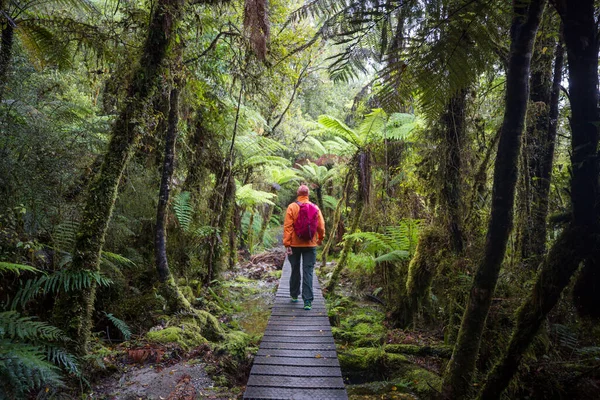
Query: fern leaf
x=120 y=325
x=393 y=256
x=183 y=210
x=58 y=281
x=16 y=268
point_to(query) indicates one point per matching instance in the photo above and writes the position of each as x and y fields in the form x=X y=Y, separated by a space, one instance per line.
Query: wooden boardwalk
x=297 y=357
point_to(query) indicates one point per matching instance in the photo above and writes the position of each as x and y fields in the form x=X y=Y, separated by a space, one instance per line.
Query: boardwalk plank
x=297 y=357
x=253 y=392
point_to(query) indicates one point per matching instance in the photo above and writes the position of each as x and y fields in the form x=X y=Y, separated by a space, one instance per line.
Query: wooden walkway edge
x=297 y=357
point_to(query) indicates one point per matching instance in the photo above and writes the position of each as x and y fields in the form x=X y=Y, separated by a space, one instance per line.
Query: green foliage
x=184 y=211
x=29 y=357
x=16 y=268
x=248 y=197
x=396 y=243
x=59 y=281
x=120 y=325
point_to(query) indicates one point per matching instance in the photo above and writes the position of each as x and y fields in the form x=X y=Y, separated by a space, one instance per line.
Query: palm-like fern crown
x=46 y=28
x=426 y=51
x=247 y=196
x=317 y=174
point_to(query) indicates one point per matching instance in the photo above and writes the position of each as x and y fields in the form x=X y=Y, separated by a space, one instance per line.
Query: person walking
x=303 y=231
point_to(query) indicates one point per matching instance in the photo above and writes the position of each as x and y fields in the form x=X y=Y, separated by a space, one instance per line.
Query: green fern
x=116 y=260
x=13 y=325
x=248 y=197
x=395 y=244
x=56 y=282
x=24 y=367
x=183 y=210
x=64 y=235
x=16 y=268
x=120 y=325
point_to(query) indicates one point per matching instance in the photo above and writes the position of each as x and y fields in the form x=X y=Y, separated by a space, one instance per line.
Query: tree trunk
x=578 y=241
x=6 y=47
x=175 y=300
x=74 y=310
x=538 y=152
x=335 y=276
x=421 y=271
x=454 y=126
x=457 y=379
x=337 y=216
x=222 y=200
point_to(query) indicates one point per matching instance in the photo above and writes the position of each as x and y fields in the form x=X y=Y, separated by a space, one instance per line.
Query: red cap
x=303 y=190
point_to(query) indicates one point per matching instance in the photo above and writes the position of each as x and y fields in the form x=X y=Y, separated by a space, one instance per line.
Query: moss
x=399 y=388
x=368 y=363
x=362 y=338
x=236 y=343
x=189 y=331
x=424 y=383
x=186 y=336
x=440 y=351
x=188 y=293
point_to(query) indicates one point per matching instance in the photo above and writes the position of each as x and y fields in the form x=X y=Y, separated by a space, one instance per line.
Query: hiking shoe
x=294 y=299
x=307 y=305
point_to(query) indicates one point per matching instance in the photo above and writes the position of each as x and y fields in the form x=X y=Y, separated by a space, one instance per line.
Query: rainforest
x=149 y=150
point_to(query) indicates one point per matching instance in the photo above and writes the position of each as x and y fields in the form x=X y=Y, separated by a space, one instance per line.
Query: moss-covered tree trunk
x=459 y=373
x=174 y=298
x=222 y=200
x=73 y=311
x=538 y=149
x=579 y=240
x=6 y=47
x=335 y=276
x=421 y=271
x=453 y=126
x=337 y=216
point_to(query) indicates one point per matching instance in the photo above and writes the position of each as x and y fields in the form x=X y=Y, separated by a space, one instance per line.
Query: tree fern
x=120 y=325
x=183 y=210
x=249 y=197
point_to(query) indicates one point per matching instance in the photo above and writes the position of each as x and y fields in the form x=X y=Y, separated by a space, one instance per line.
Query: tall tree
x=74 y=310
x=175 y=300
x=538 y=145
x=460 y=370
x=579 y=241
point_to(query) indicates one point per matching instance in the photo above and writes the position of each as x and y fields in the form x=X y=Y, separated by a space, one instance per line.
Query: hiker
x=303 y=231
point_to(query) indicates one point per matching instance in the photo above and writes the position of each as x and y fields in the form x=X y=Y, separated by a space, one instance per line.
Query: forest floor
x=377 y=362
x=155 y=371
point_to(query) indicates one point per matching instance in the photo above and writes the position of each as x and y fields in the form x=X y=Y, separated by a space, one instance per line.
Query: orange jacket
x=289 y=235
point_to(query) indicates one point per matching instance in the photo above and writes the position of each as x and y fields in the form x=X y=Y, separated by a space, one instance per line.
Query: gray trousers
x=309 y=257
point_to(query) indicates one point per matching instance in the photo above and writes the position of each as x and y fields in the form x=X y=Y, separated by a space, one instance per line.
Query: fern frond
x=116 y=260
x=43 y=46
x=63 y=359
x=256 y=161
x=330 y=202
x=249 y=197
x=64 y=235
x=60 y=281
x=120 y=325
x=13 y=325
x=23 y=367
x=183 y=210
x=373 y=124
x=16 y=268
x=281 y=176
x=393 y=256
x=338 y=128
